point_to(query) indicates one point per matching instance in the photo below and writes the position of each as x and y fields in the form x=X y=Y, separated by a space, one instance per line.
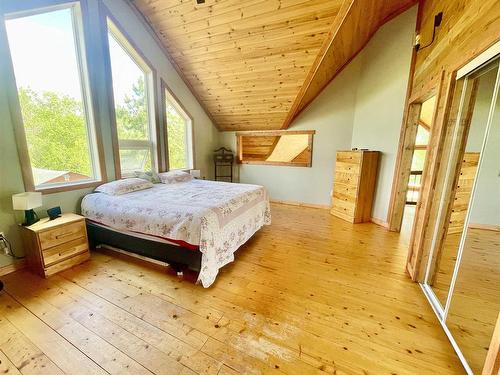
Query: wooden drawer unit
x=55 y=245
x=62 y=234
x=354 y=185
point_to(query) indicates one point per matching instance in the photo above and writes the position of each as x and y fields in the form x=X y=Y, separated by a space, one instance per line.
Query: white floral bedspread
x=218 y=217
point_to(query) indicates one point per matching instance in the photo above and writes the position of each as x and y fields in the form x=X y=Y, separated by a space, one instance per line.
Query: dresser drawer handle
x=64 y=235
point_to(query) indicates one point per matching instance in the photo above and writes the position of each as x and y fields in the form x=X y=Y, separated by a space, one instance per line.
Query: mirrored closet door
x=463 y=274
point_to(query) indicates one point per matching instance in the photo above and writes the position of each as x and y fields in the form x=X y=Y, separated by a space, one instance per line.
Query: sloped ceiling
x=255 y=64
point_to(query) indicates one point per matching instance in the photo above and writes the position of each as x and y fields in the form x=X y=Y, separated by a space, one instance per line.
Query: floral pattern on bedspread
x=217 y=216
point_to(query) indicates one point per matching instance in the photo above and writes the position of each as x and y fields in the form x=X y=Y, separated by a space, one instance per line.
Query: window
x=134 y=105
x=423 y=136
x=179 y=134
x=49 y=64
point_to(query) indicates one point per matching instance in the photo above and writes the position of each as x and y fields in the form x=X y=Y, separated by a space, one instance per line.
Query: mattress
x=217 y=217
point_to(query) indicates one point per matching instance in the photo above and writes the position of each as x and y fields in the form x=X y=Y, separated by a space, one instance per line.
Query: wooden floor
x=310 y=294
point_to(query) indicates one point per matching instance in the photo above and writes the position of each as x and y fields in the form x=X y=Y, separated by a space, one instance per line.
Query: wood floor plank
x=183 y=353
x=6 y=366
x=27 y=358
x=64 y=355
x=104 y=354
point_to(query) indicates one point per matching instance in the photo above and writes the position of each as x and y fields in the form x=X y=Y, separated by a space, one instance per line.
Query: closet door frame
x=459 y=135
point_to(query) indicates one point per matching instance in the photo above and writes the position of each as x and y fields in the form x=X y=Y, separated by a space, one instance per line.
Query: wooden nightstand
x=53 y=246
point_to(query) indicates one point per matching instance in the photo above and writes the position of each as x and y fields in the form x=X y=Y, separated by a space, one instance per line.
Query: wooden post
x=492 y=362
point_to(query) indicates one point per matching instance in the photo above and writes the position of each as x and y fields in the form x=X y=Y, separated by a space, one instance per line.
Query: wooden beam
x=272 y=133
x=423 y=124
x=346 y=38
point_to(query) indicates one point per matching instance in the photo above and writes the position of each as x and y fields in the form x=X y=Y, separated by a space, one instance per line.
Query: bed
x=197 y=223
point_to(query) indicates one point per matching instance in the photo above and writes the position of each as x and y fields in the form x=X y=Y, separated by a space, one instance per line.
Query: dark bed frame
x=178 y=257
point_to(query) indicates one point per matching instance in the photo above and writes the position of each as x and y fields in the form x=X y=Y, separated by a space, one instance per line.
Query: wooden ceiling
x=255 y=64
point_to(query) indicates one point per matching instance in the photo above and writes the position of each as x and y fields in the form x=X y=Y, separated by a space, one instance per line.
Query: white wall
x=362 y=107
x=380 y=99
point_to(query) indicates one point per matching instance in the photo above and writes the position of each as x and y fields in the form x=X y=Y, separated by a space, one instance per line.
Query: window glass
x=133 y=108
x=417 y=163
x=179 y=135
x=422 y=136
x=49 y=68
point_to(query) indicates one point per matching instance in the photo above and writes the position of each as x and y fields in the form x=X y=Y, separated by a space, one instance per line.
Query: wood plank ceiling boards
x=255 y=65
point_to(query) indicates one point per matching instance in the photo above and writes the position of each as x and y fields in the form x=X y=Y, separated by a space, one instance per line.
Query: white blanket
x=218 y=217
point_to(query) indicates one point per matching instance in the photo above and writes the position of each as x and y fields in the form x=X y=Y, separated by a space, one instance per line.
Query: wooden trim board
x=380 y=222
x=301 y=204
x=492 y=362
x=492 y=227
x=13 y=267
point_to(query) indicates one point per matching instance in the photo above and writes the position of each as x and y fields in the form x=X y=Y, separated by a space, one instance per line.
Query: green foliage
x=176 y=130
x=57 y=136
x=55 y=131
x=132 y=117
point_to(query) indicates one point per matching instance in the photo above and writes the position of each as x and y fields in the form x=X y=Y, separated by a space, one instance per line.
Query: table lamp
x=27 y=202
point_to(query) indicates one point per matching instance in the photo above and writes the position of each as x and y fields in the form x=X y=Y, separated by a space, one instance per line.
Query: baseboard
x=380 y=222
x=495 y=228
x=16 y=266
x=301 y=204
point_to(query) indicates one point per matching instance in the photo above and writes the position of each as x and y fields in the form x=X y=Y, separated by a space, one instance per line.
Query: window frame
x=113 y=27
x=259 y=133
x=79 y=15
x=168 y=94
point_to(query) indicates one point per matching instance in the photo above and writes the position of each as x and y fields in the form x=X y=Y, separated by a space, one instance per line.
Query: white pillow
x=174 y=177
x=127 y=185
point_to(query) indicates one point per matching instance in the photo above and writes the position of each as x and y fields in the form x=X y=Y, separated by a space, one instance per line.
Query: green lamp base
x=30 y=218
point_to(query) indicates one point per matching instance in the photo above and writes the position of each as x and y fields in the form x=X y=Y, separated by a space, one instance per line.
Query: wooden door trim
x=405 y=153
x=492 y=362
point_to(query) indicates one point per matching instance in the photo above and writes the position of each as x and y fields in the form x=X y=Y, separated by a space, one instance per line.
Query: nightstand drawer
x=64 y=251
x=67 y=263
x=62 y=234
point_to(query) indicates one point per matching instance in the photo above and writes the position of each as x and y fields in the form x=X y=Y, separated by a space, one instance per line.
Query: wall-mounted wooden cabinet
x=354 y=185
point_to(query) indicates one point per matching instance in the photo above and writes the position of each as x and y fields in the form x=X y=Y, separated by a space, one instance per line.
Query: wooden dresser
x=354 y=185
x=53 y=246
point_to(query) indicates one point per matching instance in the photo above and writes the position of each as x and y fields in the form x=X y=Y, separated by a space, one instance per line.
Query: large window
x=49 y=64
x=179 y=134
x=134 y=105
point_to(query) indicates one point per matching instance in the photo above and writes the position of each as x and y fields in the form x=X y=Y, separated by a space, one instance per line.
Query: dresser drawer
x=342 y=213
x=64 y=251
x=346 y=178
x=348 y=168
x=348 y=190
x=353 y=157
x=347 y=207
x=62 y=234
